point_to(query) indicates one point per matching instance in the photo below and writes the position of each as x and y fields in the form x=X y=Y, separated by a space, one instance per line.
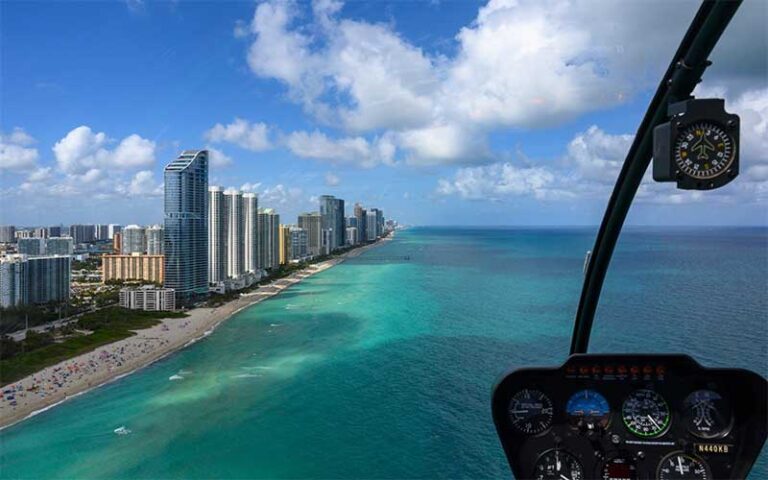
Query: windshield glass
x=293 y=239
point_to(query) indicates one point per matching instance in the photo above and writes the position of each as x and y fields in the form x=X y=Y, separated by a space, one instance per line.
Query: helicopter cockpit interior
x=644 y=416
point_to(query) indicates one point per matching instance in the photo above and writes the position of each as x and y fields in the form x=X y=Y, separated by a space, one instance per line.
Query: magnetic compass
x=699 y=147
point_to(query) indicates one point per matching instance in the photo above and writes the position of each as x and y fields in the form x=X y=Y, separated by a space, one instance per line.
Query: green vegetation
x=15 y=318
x=38 y=350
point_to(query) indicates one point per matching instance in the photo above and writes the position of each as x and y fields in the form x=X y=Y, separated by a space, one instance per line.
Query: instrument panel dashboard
x=627 y=417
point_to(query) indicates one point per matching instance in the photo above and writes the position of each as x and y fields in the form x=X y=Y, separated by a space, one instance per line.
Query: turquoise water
x=382 y=367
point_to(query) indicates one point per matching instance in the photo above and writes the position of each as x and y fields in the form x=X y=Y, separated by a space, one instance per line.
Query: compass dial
x=681 y=466
x=558 y=465
x=707 y=414
x=646 y=413
x=703 y=150
x=530 y=411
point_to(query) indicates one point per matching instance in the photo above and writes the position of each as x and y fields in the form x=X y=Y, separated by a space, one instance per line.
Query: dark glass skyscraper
x=186 y=225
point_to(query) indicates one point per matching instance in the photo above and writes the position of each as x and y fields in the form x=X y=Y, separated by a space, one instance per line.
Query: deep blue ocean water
x=382 y=367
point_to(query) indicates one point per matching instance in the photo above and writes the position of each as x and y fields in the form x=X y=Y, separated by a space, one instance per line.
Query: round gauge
x=589 y=410
x=703 y=150
x=681 y=466
x=530 y=411
x=558 y=465
x=619 y=468
x=707 y=414
x=646 y=413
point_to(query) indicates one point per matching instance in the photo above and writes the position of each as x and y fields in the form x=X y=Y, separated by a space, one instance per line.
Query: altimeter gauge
x=646 y=413
x=699 y=147
x=530 y=411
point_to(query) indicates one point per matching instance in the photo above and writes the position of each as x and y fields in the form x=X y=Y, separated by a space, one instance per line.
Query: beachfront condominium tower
x=312 y=223
x=251 y=232
x=154 y=235
x=361 y=216
x=328 y=215
x=284 y=240
x=233 y=201
x=186 y=225
x=28 y=280
x=370 y=225
x=134 y=240
x=217 y=235
x=268 y=231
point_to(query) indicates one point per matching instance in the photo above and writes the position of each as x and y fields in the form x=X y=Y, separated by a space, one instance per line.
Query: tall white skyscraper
x=251 y=235
x=233 y=200
x=134 y=240
x=217 y=235
x=155 y=240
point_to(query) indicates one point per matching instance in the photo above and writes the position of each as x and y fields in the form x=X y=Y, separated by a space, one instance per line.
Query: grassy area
x=108 y=325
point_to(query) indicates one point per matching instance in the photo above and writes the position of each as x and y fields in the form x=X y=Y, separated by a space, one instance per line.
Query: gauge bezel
x=723 y=432
x=682 y=130
x=665 y=428
x=562 y=451
x=550 y=420
x=707 y=470
x=608 y=416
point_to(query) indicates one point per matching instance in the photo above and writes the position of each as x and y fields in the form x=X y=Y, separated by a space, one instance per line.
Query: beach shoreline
x=70 y=378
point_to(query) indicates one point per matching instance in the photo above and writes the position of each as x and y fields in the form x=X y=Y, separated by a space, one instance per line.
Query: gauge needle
x=653 y=421
x=680 y=464
x=564 y=477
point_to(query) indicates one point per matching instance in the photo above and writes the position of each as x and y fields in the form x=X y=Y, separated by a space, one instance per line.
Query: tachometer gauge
x=619 y=468
x=703 y=150
x=589 y=410
x=646 y=413
x=707 y=414
x=681 y=466
x=558 y=465
x=530 y=411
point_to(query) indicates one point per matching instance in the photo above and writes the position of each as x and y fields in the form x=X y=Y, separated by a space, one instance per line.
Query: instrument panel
x=628 y=417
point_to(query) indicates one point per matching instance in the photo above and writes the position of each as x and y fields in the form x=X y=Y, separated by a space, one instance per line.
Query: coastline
x=75 y=376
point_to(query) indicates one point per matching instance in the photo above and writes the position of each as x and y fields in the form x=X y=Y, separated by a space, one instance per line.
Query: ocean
x=382 y=367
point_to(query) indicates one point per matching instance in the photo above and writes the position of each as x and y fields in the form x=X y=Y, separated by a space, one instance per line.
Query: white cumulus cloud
x=251 y=136
x=82 y=149
x=16 y=152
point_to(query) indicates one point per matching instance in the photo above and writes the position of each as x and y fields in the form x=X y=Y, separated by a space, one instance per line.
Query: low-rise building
x=148 y=297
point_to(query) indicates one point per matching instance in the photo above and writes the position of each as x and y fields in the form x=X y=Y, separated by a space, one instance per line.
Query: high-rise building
x=328 y=211
x=186 y=225
x=312 y=223
x=379 y=222
x=269 y=250
x=148 y=268
x=154 y=235
x=26 y=233
x=40 y=232
x=284 y=240
x=112 y=229
x=233 y=200
x=7 y=234
x=102 y=231
x=117 y=242
x=251 y=232
x=217 y=235
x=352 y=237
x=361 y=216
x=55 y=231
x=299 y=249
x=31 y=246
x=34 y=280
x=340 y=227
x=371 y=232
x=134 y=240
x=59 y=246
x=82 y=233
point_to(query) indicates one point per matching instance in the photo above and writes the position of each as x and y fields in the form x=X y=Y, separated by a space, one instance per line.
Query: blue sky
x=464 y=113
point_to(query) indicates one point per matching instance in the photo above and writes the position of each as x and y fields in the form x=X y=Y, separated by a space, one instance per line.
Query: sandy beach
x=66 y=379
